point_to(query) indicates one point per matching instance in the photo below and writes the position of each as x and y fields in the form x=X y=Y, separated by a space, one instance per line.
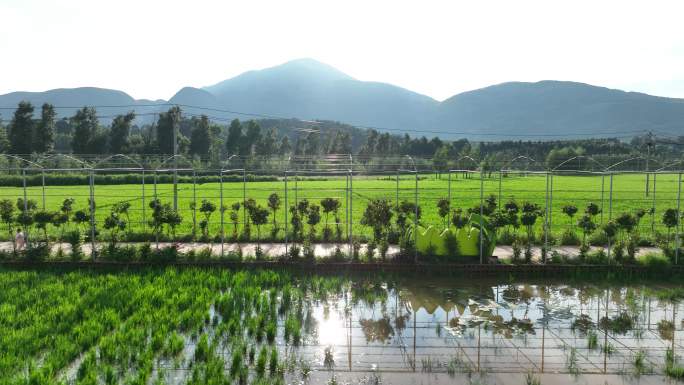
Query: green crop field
x=628 y=195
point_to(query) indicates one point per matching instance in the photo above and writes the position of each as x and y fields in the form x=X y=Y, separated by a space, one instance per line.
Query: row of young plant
x=88 y=328
x=621 y=235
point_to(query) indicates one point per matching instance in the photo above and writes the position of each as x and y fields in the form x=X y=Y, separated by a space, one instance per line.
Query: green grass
x=628 y=196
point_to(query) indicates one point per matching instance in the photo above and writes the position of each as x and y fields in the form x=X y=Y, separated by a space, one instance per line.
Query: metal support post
x=679 y=217
x=498 y=206
x=144 y=219
x=286 y=209
x=415 y=227
x=654 y=203
x=194 y=203
x=603 y=183
x=42 y=178
x=92 y=215
x=223 y=237
x=481 y=232
x=23 y=182
x=546 y=216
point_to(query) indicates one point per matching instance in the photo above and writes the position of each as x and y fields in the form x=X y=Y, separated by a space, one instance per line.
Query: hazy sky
x=151 y=49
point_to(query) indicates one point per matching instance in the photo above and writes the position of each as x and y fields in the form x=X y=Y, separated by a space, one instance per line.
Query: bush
x=598 y=238
x=75 y=241
x=293 y=252
x=570 y=238
x=655 y=260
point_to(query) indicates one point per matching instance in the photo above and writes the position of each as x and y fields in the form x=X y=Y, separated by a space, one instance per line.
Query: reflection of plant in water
x=639 y=363
x=672 y=369
x=666 y=329
x=608 y=349
x=380 y=330
x=531 y=379
x=571 y=363
x=583 y=323
x=438 y=330
x=400 y=321
x=592 y=340
x=329 y=359
x=509 y=328
x=426 y=364
x=619 y=324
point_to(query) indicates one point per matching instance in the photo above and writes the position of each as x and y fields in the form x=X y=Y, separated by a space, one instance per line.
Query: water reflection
x=497 y=327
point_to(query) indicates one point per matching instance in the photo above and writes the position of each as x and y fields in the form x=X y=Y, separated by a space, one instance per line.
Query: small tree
x=313 y=218
x=670 y=220
x=592 y=209
x=80 y=217
x=7 y=216
x=610 y=230
x=530 y=213
x=173 y=219
x=207 y=208
x=235 y=208
x=458 y=219
x=114 y=224
x=122 y=208
x=625 y=223
x=329 y=205
x=59 y=219
x=274 y=205
x=587 y=225
x=67 y=208
x=377 y=215
x=570 y=211
x=42 y=219
x=296 y=222
x=443 y=207
x=259 y=216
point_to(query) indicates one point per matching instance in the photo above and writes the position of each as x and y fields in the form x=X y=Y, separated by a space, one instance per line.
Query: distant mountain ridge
x=308 y=89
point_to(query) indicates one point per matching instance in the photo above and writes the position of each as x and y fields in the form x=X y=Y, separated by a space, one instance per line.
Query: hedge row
x=84 y=179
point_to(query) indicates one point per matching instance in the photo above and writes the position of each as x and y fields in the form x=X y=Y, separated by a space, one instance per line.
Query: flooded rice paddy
x=194 y=326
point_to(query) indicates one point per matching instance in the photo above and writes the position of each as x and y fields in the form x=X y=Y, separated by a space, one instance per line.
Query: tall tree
x=85 y=125
x=44 y=136
x=234 y=137
x=168 y=122
x=285 y=147
x=251 y=138
x=119 y=133
x=21 y=129
x=268 y=145
x=200 y=137
x=4 y=140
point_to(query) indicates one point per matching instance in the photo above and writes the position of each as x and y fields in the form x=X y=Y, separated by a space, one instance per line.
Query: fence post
x=23 y=182
x=244 y=198
x=500 y=180
x=286 y=208
x=156 y=233
x=194 y=202
x=679 y=216
x=415 y=235
x=397 y=193
x=144 y=220
x=654 y=203
x=481 y=232
x=610 y=199
x=42 y=178
x=223 y=240
x=449 y=188
x=546 y=216
x=92 y=215
x=551 y=200
x=603 y=183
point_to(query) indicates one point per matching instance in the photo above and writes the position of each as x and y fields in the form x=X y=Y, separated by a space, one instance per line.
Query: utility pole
x=649 y=144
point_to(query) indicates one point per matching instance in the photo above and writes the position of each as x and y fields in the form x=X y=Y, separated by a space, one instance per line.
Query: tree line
x=38 y=130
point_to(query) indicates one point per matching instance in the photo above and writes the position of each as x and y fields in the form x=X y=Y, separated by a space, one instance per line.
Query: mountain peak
x=298 y=71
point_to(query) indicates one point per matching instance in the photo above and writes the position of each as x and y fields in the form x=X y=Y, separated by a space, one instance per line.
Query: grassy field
x=628 y=195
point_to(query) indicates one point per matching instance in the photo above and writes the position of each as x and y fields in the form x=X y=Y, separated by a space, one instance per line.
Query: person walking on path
x=20 y=240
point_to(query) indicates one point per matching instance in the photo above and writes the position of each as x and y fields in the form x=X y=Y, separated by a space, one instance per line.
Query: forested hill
x=307 y=89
